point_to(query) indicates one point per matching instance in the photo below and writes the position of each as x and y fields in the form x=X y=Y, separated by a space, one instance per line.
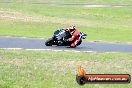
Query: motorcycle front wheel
x=79 y=42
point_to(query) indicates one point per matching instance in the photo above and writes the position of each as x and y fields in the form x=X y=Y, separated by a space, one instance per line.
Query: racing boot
x=72 y=45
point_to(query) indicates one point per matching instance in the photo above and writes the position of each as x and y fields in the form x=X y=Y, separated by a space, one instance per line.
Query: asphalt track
x=37 y=43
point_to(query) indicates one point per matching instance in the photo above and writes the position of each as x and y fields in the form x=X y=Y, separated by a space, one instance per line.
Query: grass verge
x=38 y=20
x=31 y=69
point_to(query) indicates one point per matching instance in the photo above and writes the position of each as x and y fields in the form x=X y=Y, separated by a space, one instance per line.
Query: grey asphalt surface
x=72 y=4
x=36 y=43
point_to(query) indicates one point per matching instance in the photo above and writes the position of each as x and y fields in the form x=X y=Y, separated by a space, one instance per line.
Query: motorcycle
x=60 y=37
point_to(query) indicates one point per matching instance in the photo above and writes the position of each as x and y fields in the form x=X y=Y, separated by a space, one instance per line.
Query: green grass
x=77 y=1
x=36 y=69
x=101 y=23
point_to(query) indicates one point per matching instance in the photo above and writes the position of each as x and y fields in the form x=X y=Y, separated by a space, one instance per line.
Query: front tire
x=79 y=42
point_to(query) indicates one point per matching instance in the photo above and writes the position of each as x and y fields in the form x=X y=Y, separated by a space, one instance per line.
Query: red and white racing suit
x=75 y=38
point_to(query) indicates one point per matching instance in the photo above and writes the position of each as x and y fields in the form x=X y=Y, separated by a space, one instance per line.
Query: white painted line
x=89 y=51
x=106 y=5
x=38 y=49
x=95 y=6
x=77 y=51
x=21 y=37
x=12 y=48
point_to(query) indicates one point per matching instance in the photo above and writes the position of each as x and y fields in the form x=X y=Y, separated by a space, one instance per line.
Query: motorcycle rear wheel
x=49 y=42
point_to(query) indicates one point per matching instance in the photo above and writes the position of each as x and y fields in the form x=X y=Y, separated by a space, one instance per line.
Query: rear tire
x=49 y=42
x=60 y=43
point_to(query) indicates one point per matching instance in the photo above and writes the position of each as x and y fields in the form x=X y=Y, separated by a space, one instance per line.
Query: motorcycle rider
x=75 y=35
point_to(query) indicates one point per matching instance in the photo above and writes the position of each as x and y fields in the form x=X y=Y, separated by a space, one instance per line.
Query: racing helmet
x=72 y=28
